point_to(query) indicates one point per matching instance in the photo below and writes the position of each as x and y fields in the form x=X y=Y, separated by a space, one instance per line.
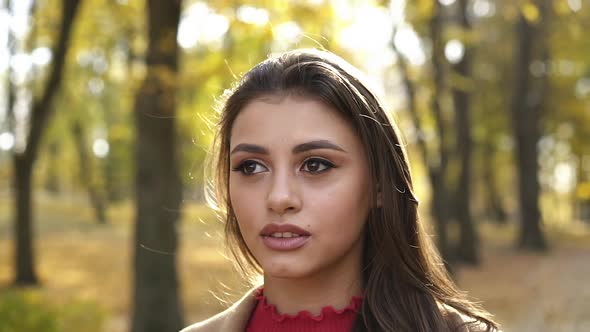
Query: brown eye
x=250 y=167
x=316 y=165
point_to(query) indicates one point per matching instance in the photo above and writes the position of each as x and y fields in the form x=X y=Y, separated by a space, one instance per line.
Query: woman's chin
x=284 y=271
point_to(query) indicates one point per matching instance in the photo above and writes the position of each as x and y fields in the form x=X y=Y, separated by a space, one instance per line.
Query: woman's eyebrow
x=319 y=144
x=303 y=147
x=252 y=148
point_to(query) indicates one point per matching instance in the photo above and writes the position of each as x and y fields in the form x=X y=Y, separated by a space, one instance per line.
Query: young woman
x=314 y=185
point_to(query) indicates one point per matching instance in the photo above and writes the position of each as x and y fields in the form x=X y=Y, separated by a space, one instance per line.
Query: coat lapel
x=233 y=319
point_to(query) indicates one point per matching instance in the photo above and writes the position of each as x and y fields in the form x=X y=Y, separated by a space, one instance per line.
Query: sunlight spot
x=484 y=8
x=546 y=143
x=216 y=26
x=538 y=68
x=409 y=45
x=21 y=62
x=454 y=51
x=6 y=141
x=288 y=31
x=100 y=64
x=100 y=148
x=562 y=148
x=252 y=15
x=370 y=30
x=187 y=34
x=19 y=21
x=564 y=177
x=84 y=58
x=446 y=2
x=583 y=87
x=505 y=143
x=566 y=67
x=342 y=10
x=21 y=65
x=95 y=86
x=530 y=12
x=41 y=56
x=575 y=5
x=397 y=11
x=200 y=24
x=4 y=26
x=4 y=56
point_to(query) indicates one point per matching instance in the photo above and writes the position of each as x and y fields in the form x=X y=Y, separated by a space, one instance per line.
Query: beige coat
x=235 y=318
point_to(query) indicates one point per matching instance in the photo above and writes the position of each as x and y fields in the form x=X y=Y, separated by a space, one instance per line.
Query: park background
x=105 y=122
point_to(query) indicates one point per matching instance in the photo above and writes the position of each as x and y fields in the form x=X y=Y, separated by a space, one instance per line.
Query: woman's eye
x=250 y=167
x=316 y=165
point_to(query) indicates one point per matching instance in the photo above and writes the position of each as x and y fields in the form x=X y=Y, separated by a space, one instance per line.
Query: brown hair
x=404 y=280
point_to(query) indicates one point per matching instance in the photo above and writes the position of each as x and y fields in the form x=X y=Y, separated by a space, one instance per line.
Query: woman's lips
x=284 y=243
x=274 y=228
x=284 y=237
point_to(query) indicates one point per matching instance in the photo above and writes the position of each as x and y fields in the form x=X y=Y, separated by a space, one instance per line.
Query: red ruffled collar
x=353 y=307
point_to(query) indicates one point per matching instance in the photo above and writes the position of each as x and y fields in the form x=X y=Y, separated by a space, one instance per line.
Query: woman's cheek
x=246 y=208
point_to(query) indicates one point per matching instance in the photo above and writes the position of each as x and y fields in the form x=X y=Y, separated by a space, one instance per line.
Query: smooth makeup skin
x=299 y=187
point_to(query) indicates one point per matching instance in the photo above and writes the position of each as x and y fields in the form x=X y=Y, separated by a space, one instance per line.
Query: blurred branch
x=9 y=121
x=42 y=109
x=24 y=161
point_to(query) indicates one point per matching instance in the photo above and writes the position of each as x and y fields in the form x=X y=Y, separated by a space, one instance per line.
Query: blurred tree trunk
x=95 y=194
x=437 y=213
x=52 y=184
x=467 y=249
x=437 y=166
x=156 y=302
x=526 y=109
x=494 y=208
x=436 y=163
x=23 y=161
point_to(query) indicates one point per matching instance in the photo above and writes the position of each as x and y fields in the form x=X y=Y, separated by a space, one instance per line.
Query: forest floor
x=81 y=260
x=530 y=292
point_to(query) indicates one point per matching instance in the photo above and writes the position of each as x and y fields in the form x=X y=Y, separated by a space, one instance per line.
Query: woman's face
x=299 y=186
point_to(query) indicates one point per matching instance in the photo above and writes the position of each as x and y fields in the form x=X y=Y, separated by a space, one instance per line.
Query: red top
x=265 y=318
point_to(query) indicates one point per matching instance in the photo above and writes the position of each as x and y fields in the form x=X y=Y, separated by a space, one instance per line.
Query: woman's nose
x=283 y=194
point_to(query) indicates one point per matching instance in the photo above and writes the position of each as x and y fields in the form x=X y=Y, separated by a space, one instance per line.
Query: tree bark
x=24 y=161
x=436 y=163
x=95 y=194
x=156 y=302
x=24 y=250
x=467 y=250
x=494 y=207
x=52 y=183
x=439 y=207
x=525 y=121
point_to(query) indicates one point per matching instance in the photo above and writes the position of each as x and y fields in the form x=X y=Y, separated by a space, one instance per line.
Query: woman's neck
x=330 y=288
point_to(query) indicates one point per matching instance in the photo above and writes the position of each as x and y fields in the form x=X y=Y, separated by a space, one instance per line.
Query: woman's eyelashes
x=316 y=165
x=311 y=165
x=249 y=167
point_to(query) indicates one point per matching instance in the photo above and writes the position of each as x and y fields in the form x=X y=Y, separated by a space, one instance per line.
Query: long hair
x=405 y=284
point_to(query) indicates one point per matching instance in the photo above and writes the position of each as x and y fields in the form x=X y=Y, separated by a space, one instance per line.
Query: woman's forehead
x=289 y=119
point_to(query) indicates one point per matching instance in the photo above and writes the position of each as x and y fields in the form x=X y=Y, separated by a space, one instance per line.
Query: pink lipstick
x=284 y=237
